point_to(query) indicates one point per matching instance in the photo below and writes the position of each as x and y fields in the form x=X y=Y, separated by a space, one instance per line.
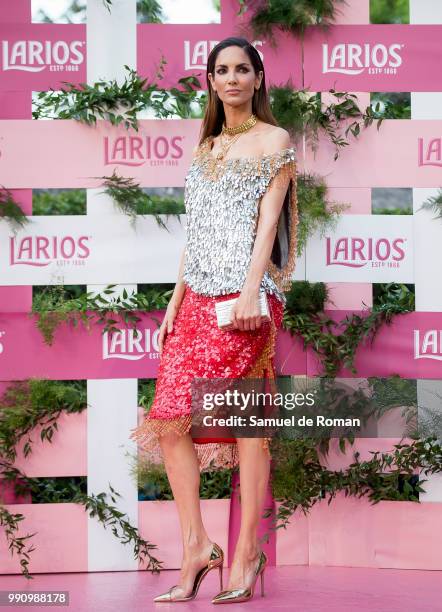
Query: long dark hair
x=214 y=113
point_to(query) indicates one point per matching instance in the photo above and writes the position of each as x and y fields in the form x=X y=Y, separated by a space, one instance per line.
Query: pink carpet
x=302 y=588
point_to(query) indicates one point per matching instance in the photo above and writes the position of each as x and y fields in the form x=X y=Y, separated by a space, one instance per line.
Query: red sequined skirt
x=197 y=347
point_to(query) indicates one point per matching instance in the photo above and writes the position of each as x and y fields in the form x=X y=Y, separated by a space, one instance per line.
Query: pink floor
x=303 y=588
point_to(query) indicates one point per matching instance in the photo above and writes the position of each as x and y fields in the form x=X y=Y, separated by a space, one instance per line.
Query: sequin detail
x=222 y=208
x=197 y=347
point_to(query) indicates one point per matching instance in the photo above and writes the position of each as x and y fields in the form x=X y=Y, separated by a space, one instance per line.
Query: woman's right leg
x=183 y=472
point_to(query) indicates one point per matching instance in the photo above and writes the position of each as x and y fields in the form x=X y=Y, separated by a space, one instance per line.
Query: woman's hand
x=167 y=324
x=246 y=312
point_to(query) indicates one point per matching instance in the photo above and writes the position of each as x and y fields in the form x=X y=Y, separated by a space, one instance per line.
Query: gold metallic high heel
x=216 y=560
x=239 y=595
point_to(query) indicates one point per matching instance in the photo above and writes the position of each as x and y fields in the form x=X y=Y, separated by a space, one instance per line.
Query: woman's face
x=234 y=78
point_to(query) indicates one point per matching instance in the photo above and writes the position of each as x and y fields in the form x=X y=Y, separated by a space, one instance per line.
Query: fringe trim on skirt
x=211 y=455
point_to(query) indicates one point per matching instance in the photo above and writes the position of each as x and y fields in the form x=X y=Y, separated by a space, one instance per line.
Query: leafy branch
x=109 y=515
x=301 y=112
x=321 y=333
x=26 y=404
x=299 y=480
x=11 y=211
x=288 y=16
x=16 y=544
x=50 y=308
x=130 y=199
x=39 y=402
x=118 y=104
x=434 y=205
x=316 y=213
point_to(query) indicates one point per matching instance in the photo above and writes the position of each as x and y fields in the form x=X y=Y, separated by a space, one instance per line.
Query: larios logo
x=131 y=344
x=36 y=55
x=352 y=58
x=430 y=153
x=44 y=250
x=429 y=346
x=138 y=150
x=196 y=56
x=358 y=252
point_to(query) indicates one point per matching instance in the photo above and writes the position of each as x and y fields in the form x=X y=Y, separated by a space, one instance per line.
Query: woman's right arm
x=173 y=305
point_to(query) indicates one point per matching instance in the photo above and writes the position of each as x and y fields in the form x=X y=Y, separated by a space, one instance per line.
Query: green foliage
x=52 y=490
x=392 y=211
x=153 y=483
x=109 y=515
x=391 y=105
x=146 y=392
x=59 y=202
x=389 y=11
x=119 y=104
x=16 y=544
x=287 y=15
x=73 y=201
x=434 y=205
x=69 y=291
x=51 y=307
x=11 y=211
x=29 y=403
x=336 y=342
x=130 y=199
x=306 y=297
x=393 y=391
x=149 y=11
x=25 y=405
x=161 y=205
x=300 y=112
x=394 y=292
x=314 y=211
x=299 y=480
x=33 y=403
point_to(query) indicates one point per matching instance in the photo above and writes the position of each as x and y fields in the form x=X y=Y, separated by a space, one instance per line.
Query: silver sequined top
x=221 y=201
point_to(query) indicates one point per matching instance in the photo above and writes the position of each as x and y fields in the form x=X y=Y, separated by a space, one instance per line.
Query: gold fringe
x=158 y=427
x=283 y=277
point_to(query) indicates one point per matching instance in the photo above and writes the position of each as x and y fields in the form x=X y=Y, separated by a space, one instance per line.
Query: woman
x=240 y=199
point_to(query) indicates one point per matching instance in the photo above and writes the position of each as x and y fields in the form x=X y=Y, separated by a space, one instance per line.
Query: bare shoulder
x=275 y=139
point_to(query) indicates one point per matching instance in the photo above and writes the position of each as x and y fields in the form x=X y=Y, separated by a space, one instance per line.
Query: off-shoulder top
x=221 y=200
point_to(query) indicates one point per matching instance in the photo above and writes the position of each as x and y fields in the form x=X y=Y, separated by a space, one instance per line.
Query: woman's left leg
x=254 y=471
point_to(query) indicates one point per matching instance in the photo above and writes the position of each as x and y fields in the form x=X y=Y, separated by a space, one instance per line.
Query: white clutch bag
x=224 y=308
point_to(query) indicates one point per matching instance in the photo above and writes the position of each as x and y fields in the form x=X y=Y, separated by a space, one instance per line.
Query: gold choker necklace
x=246 y=125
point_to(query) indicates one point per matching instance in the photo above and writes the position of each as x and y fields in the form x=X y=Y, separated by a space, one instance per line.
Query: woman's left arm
x=246 y=312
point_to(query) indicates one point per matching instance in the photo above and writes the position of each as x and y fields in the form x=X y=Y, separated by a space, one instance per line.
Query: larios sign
x=428 y=344
x=196 y=54
x=131 y=344
x=430 y=152
x=37 y=55
x=44 y=250
x=139 y=150
x=355 y=252
x=353 y=58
